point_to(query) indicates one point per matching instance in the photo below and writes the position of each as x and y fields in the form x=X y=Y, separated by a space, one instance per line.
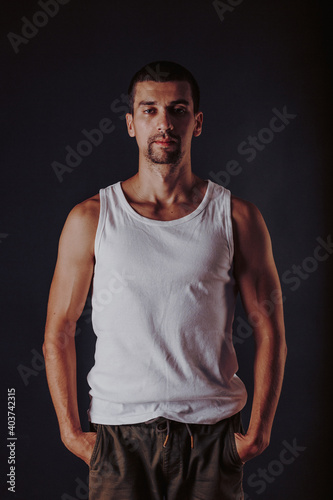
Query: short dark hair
x=164 y=71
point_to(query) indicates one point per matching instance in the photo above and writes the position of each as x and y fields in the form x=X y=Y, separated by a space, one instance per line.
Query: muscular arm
x=261 y=295
x=68 y=293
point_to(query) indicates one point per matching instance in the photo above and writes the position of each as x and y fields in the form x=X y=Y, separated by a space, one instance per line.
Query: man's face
x=163 y=121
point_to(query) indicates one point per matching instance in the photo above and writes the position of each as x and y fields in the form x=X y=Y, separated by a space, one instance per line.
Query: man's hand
x=247 y=448
x=81 y=444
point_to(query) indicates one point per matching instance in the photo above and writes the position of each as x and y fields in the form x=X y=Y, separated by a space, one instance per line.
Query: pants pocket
x=233 y=447
x=97 y=443
x=230 y=453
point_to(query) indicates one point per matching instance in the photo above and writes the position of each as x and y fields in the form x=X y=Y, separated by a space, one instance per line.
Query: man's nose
x=164 y=122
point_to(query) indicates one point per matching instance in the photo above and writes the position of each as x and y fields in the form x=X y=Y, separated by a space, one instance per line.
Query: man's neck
x=164 y=195
x=163 y=184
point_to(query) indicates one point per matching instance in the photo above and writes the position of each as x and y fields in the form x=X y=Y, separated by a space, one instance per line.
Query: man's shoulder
x=78 y=234
x=243 y=211
x=87 y=208
x=86 y=213
x=249 y=226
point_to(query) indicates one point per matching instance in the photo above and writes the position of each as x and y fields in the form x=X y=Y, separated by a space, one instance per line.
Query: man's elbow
x=48 y=349
x=58 y=336
x=56 y=345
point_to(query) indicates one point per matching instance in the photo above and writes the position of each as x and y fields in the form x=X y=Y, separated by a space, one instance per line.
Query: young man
x=166 y=253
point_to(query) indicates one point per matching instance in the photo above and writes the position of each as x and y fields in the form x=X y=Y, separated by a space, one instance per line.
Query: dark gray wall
x=254 y=61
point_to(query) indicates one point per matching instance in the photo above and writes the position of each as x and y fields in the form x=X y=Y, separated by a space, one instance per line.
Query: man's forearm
x=60 y=361
x=269 y=365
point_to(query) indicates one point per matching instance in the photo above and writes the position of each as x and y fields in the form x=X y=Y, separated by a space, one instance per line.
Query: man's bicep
x=73 y=271
x=255 y=269
x=252 y=244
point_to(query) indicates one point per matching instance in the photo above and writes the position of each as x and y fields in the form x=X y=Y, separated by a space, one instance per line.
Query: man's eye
x=179 y=111
x=148 y=111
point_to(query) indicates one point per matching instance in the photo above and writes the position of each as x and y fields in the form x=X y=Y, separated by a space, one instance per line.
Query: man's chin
x=164 y=160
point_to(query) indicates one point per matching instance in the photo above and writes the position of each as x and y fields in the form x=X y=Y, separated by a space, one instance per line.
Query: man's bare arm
x=259 y=285
x=68 y=293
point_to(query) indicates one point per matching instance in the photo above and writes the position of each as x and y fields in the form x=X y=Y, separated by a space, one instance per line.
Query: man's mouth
x=165 y=142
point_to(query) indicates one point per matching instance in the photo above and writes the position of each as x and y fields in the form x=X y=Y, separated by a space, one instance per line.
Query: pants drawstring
x=191 y=435
x=168 y=434
x=168 y=430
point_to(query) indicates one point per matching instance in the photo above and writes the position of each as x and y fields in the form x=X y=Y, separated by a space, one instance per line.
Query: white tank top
x=163 y=305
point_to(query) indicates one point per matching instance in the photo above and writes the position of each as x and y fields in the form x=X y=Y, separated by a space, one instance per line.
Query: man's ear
x=198 y=124
x=130 y=125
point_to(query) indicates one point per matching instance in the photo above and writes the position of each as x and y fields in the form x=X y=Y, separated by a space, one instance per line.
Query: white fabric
x=163 y=306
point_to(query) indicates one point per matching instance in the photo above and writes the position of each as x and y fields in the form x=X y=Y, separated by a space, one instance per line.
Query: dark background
x=73 y=73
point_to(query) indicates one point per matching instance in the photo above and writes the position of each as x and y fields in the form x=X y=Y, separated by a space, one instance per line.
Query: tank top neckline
x=126 y=205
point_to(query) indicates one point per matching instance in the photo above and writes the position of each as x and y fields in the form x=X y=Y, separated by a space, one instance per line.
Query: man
x=166 y=253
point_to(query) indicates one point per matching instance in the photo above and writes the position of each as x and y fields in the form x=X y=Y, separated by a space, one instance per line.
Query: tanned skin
x=164 y=188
